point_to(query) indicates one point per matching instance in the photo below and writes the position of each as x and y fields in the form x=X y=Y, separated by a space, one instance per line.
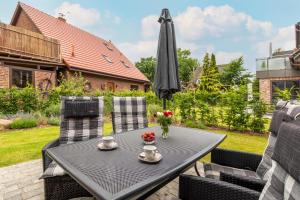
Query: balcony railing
x=266 y=64
x=27 y=44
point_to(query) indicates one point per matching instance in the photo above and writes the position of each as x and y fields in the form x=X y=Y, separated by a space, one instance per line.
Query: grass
x=22 y=145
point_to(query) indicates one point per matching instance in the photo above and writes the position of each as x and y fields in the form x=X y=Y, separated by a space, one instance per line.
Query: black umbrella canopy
x=166 y=80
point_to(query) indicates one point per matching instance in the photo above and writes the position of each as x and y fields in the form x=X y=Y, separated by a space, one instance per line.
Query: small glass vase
x=165 y=132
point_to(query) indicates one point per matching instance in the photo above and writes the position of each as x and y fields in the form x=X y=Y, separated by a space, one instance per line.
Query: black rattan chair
x=75 y=112
x=284 y=181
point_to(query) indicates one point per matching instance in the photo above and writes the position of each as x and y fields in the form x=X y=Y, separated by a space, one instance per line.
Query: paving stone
x=21 y=182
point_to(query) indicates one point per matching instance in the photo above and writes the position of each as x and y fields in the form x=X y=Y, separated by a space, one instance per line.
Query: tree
x=235 y=74
x=210 y=76
x=186 y=65
x=147 y=67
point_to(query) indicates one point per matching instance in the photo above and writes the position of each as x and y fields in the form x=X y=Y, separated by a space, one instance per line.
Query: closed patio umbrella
x=166 y=80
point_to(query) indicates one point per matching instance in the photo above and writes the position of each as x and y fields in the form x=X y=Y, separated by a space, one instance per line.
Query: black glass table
x=118 y=174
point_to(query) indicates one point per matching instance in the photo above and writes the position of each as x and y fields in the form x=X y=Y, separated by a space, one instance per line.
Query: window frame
x=11 y=69
x=134 y=87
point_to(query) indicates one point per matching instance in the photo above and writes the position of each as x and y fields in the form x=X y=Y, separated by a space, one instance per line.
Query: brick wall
x=98 y=82
x=25 y=22
x=41 y=77
x=4 y=76
x=265 y=87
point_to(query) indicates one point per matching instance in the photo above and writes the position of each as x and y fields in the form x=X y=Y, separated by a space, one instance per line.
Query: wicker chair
x=284 y=181
x=129 y=113
x=73 y=111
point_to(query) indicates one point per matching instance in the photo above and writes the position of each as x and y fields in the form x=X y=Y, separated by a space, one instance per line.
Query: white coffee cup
x=107 y=141
x=150 y=151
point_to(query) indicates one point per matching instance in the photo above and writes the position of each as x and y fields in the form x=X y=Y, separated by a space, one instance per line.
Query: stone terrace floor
x=21 y=181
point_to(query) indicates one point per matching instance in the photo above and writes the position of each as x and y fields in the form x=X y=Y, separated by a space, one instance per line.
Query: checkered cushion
x=129 y=113
x=285 y=172
x=77 y=128
x=280 y=185
x=53 y=170
x=266 y=162
x=212 y=170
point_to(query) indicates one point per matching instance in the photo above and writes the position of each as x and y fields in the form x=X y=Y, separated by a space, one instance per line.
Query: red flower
x=168 y=114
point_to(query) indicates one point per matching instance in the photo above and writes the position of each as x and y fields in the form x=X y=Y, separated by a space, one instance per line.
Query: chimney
x=61 y=17
x=270 y=50
x=297 y=31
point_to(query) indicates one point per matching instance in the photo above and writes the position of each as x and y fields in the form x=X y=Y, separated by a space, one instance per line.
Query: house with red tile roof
x=98 y=60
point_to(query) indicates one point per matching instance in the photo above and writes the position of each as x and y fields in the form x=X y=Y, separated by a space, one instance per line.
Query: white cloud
x=78 y=15
x=283 y=39
x=135 y=51
x=196 y=22
x=223 y=57
x=150 y=26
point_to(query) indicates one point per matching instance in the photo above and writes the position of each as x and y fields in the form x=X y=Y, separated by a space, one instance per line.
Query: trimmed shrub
x=23 y=123
x=194 y=124
x=52 y=111
x=54 y=121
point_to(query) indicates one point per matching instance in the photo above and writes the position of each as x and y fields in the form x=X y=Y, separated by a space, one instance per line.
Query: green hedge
x=225 y=108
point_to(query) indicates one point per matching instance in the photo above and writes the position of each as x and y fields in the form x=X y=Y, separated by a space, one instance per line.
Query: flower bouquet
x=165 y=120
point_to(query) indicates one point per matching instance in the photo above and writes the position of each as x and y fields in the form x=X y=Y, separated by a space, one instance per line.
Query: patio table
x=118 y=174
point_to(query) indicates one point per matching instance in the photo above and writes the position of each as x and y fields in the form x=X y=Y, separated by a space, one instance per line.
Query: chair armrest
x=46 y=159
x=195 y=187
x=248 y=182
x=236 y=159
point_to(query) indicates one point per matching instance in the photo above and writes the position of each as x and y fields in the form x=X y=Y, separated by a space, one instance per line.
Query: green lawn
x=23 y=145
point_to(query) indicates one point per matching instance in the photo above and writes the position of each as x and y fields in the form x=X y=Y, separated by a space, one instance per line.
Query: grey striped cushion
x=266 y=162
x=80 y=128
x=212 y=170
x=285 y=172
x=129 y=113
x=280 y=185
x=53 y=170
x=280 y=104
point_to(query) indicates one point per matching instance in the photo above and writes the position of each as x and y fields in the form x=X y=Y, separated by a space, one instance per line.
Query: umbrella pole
x=164 y=104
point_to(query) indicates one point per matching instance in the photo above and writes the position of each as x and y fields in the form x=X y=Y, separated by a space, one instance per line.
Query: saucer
x=157 y=158
x=102 y=147
x=149 y=142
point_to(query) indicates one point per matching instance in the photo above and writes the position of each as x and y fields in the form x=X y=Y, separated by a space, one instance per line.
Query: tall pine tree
x=210 y=76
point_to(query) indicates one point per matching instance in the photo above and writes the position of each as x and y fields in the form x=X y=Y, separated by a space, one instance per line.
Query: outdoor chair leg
x=196 y=169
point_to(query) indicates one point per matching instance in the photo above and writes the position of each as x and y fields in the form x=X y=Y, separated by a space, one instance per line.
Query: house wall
x=41 y=76
x=4 y=76
x=25 y=22
x=98 y=82
x=265 y=87
x=101 y=82
x=38 y=75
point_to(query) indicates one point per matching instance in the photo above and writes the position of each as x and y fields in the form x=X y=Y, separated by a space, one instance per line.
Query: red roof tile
x=83 y=50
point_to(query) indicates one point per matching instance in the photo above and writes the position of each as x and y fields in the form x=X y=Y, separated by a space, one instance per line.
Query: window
x=292 y=85
x=134 y=87
x=125 y=64
x=20 y=78
x=107 y=58
x=108 y=46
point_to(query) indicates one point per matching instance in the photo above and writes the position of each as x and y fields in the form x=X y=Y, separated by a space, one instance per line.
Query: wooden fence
x=27 y=44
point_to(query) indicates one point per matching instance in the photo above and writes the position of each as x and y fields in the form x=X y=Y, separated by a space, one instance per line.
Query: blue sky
x=227 y=28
